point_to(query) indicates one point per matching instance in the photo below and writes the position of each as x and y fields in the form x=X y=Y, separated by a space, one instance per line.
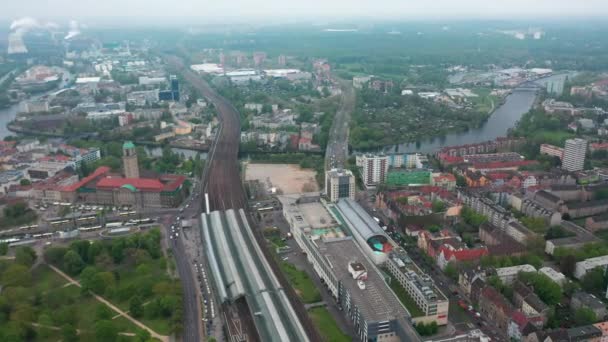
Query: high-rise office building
x=174 y=87
x=374 y=169
x=574 y=154
x=129 y=160
x=339 y=183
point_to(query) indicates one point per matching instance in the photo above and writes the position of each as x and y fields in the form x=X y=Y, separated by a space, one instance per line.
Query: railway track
x=223 y=181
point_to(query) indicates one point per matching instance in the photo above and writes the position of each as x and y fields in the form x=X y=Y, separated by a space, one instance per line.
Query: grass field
x=302 y=283
x=327 y=326
x=405 y=299
x=557 y=138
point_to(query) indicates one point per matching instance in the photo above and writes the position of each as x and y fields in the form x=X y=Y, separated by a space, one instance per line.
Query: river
x=503 y=118
x=516 y=104
x=8 y=114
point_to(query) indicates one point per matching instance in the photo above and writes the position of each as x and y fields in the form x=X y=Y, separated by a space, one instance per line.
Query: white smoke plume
x=74 y=29
x=25 y=24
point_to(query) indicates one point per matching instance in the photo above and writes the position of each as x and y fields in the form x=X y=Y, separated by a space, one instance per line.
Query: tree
x=546 y=289
x=143 y=335
x=25 y=255
x=103 y=312
x=136 y=306
x=105 y=330
x=17 y=275
x=25 y=182
x=567 y=265
x=68 y=333
x=584 y=316
x=54 y=255
x=438 y=206
x=594 y=280
x=72 y=262
x=3 y=248
x=451 y=271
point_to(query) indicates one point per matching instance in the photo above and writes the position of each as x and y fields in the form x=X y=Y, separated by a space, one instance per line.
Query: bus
x=140 y=221
x=86 y=219
x=58 y=223
x=87 y=229
x=113 y=224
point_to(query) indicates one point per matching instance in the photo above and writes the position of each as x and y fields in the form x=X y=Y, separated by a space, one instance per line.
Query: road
x=336 y=152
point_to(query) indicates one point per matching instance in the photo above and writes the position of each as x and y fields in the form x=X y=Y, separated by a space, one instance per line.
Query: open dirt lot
x=287 y=178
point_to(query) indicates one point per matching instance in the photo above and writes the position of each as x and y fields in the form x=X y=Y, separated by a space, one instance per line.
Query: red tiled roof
x=463 y=254
x=450 y=159
x=497 y=299
x=100 y=171
x=599 y=146
x=304 y=140
x=445 y=177
x=172 y=182
x=519 y=318
x=7 y=143
x=58 y=157
x=145 y=184
x=498 y=165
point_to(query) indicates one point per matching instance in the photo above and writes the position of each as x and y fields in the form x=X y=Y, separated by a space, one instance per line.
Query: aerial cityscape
x=310 y=171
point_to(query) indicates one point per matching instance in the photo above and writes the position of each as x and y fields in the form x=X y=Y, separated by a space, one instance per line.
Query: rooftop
x=142 y=184
x=376 y=302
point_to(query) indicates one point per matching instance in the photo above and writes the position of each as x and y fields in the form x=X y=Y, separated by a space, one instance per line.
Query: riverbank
x=506 y=115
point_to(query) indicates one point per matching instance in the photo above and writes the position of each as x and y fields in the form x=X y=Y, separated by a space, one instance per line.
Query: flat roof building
x=339 y=183
x=582 y=267
x=351 y=278
x=421 y=288
x=509 y=274
x=555 y=276
x=366 y=231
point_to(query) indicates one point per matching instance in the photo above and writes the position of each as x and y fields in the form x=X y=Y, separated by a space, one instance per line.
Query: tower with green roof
x=129 y=160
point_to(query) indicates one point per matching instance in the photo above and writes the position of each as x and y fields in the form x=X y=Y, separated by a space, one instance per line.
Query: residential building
x=556 y=276
x=467 y=278
x=574 y=154
x=582 y=299
x=449 y=254
x=520 y=325
x=529 y=303
x=374 y=169
x=508 y=275
x=586 y=333
x=420 y=287
x=339 y=183
x=585 y=209
x=495 y=308
x=597 y=222
x=582 y=267
x=552 y=150
x=444 y=180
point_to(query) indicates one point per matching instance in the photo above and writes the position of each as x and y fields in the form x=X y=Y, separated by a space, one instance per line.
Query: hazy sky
x=219 y=10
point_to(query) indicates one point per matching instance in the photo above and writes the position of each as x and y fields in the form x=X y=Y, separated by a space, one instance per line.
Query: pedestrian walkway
x=314 y=305
x=153 y=333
